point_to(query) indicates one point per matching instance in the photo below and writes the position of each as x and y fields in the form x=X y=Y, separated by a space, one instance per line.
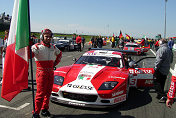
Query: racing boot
x=45 y=113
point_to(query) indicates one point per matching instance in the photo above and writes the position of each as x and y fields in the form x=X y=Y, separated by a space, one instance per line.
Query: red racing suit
x=46 y=57
x=78 y=40
x=171 y=92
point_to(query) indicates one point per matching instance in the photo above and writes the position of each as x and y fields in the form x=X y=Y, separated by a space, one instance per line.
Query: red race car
x=136 y=47
x=99 y=78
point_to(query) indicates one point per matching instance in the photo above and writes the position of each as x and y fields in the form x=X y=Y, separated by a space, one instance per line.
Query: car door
x=141 y=72
x=141 y=77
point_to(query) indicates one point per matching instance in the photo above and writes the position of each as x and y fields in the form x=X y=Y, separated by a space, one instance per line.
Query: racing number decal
x=141 y=77
x=133 y=81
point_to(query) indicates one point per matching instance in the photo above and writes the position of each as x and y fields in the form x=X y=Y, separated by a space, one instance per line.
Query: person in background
x=99 y=42
x=113 y=42
x=74 y=39
x=4 y=51
x=142 y=42
x=121 y=44
x=157 y=45
x=171 y=43
x=32 y=40
x=152 y=42
x=163 y=60
x=83 y=41
x=95 y=42
x=132 y=40
x=46 y=56
x=92 y=40
x=78 y=41
x=116 y=41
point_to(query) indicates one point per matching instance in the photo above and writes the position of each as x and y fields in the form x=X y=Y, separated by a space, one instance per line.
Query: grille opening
x=105 y=101
x=80 y=97
x=54 y=94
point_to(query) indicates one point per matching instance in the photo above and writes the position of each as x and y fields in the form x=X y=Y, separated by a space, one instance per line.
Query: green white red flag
x=15 y=75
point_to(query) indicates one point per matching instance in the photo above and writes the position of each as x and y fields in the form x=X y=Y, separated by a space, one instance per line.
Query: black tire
x=68 y=48
x=127 y=90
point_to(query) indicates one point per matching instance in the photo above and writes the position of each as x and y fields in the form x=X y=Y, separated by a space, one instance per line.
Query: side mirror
x=131 y=64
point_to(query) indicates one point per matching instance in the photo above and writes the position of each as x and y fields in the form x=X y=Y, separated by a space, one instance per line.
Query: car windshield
x=100 y=60
x=132 y=46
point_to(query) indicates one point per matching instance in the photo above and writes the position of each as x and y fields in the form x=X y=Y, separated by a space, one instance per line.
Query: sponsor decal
x=86 y=72
x=149 y=82
x=82 y=76
x=93 y=66
x=88 y=78
x=133 y=82
x=77 y=104
x=117 y=93
x=120 y=99
x=131 y=71
x=171 y=90
x=92 y=53
x=80 y=86
x=117 y=77
x=142 y=71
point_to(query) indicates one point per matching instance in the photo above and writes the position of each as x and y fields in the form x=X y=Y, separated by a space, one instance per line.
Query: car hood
x=88 y=78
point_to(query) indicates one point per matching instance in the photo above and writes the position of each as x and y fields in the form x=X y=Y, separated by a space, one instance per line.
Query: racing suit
x=46 y=57
x=171 y=92
x=78 y=41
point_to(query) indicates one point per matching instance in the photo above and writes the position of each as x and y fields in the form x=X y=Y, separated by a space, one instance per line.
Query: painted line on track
x=172 y=71
x=18 y=108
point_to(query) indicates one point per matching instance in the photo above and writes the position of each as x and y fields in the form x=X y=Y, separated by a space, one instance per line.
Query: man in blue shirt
x=171 y=43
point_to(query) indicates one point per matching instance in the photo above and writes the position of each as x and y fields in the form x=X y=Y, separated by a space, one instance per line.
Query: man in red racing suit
x=171 y=92
x=46 y=57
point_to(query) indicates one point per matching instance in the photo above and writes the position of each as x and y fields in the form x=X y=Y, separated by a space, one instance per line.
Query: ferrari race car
x=99 y=78
x=136 y=47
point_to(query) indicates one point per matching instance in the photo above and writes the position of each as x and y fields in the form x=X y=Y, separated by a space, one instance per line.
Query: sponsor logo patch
x=149 y=82
x=142 y=71
x=120 y=99
x=117 y=77
x=117 y=93
x=77 y=104
x=80 y=86
x=82 y=76
x=171 y=89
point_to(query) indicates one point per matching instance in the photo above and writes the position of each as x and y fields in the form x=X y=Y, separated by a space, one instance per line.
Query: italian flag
x=15 y=75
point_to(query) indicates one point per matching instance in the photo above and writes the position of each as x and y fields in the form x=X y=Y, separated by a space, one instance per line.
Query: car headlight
x=108 y=85
x=58 y=80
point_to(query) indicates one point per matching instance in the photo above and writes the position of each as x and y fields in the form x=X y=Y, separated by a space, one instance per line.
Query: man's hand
x=169 y=103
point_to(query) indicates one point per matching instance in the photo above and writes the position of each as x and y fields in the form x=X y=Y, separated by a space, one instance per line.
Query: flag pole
x=31 y=59
x=165 y=21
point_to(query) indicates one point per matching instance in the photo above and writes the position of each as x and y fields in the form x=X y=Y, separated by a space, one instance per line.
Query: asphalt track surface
x=141 y=103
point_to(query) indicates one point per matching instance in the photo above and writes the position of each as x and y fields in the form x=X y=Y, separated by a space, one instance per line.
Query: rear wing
x=124 y=52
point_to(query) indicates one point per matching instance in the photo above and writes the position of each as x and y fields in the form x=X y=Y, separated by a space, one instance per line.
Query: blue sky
x=101 y=17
